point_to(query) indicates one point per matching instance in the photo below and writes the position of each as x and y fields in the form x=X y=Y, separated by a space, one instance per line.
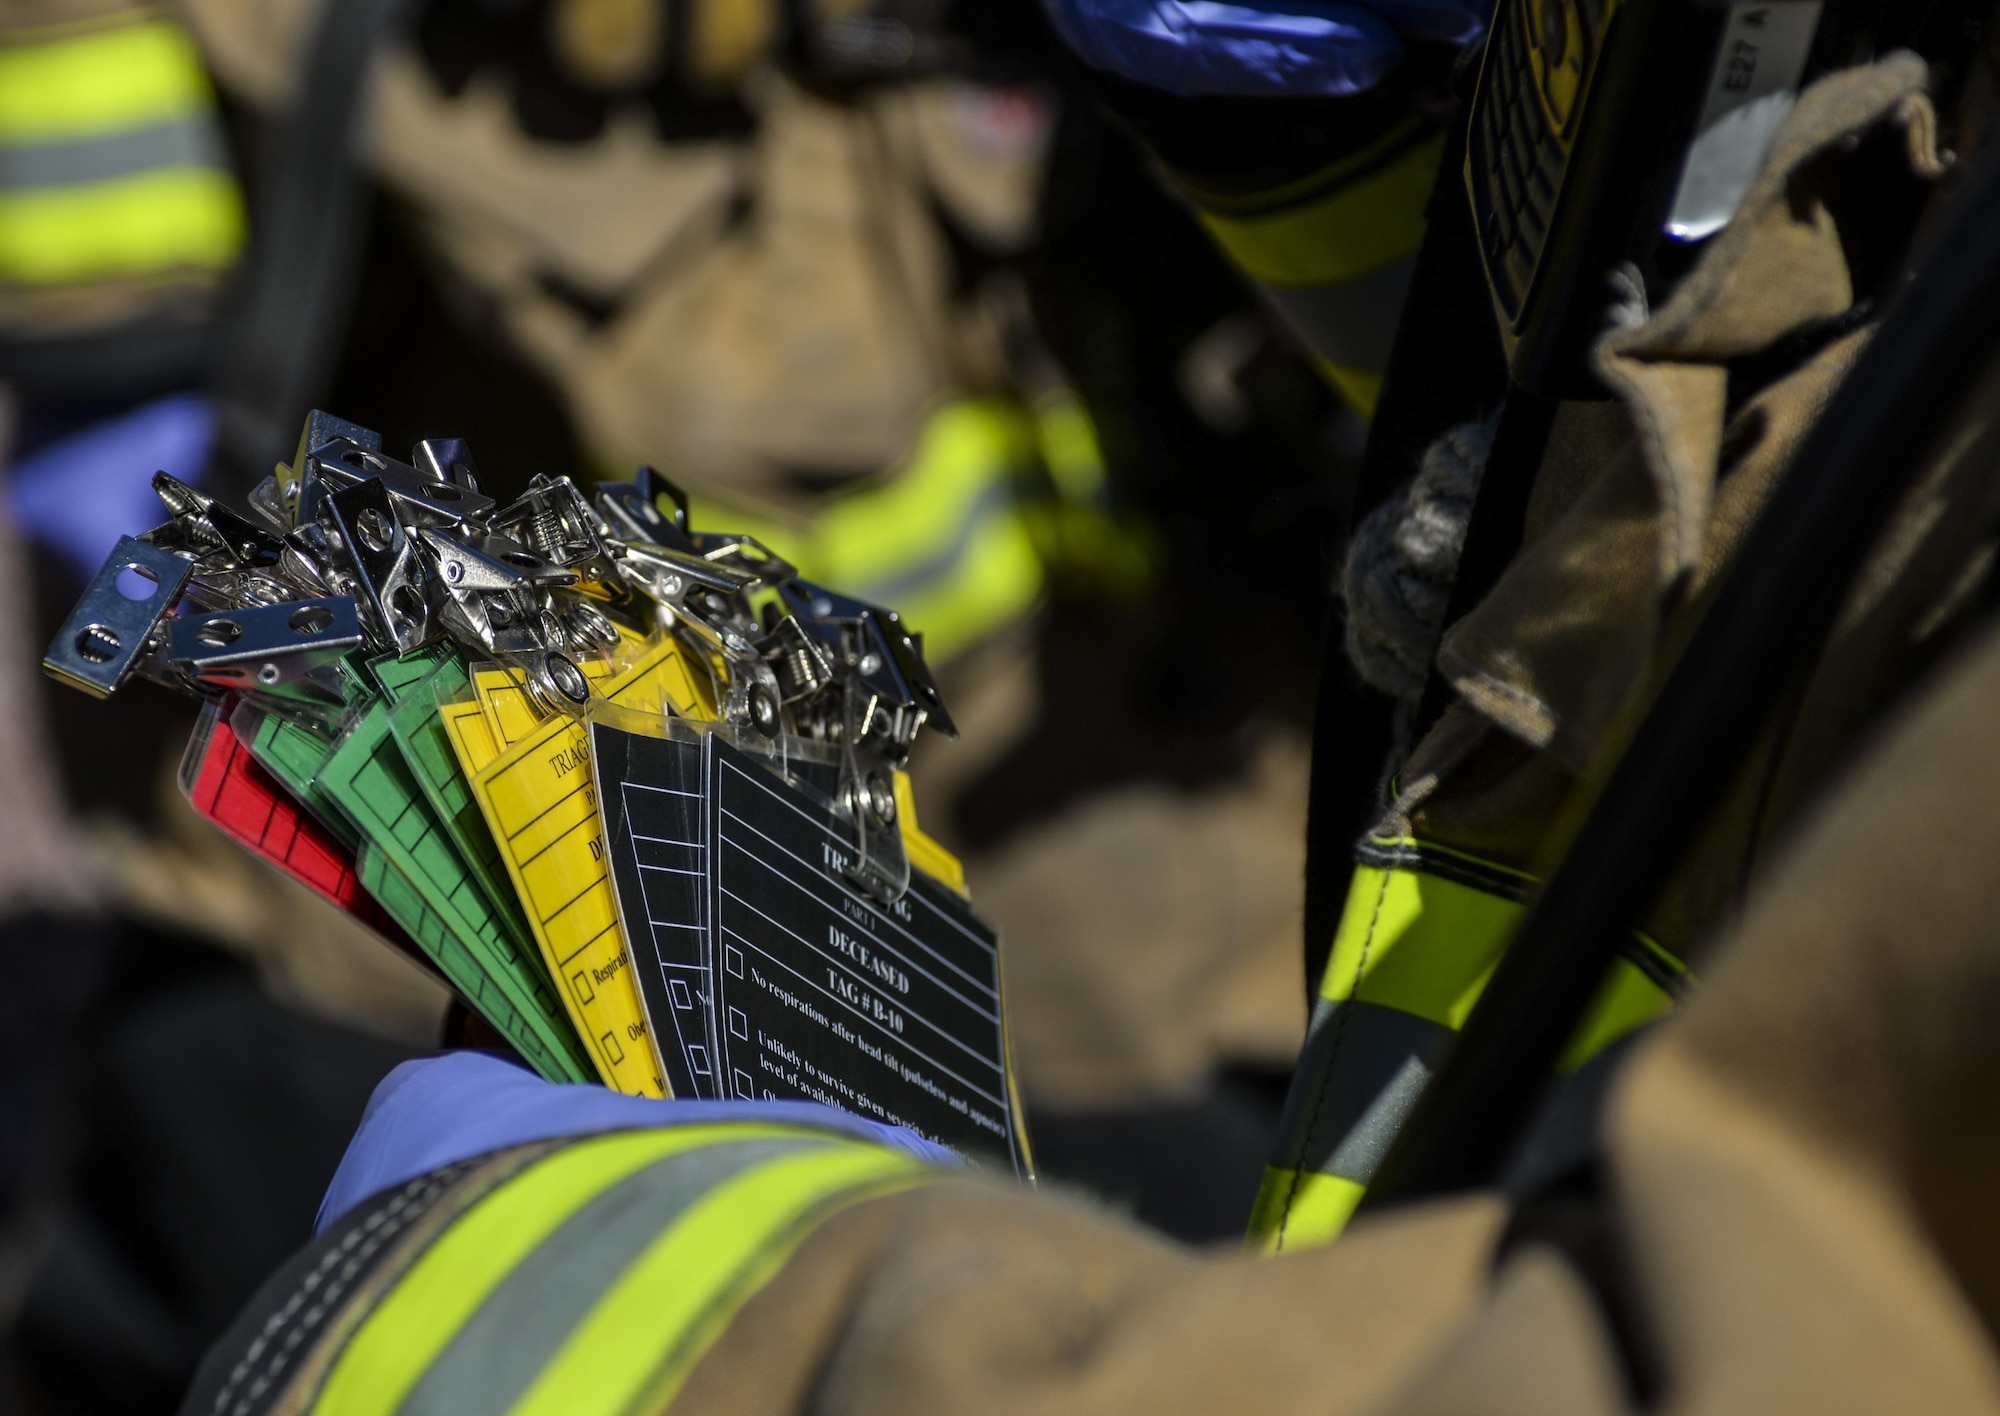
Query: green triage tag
x=482 y=988
x=410 y=865
x=293 y=755
x=427 y=752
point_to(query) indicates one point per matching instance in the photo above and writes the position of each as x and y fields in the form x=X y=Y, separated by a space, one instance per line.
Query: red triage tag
x=230 y=788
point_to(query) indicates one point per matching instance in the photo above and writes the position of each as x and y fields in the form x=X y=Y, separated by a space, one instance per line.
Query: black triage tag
x=651 y=792
x=779 y=979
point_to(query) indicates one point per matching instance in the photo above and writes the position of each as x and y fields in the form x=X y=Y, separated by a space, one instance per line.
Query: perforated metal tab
x=108 y=631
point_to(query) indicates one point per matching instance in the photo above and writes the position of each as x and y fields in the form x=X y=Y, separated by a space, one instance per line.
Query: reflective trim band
x=1358 y=228
x=1360 y=387
x=288 y=1334
x=99 y=81
x=1318 y=1207
x=1352 y=323
x=566 y=1226
x=1629 y=1000
x=639 y=1343
x=1411 y=956
x=940 y=540
x=1070 y=452
x=178 y=142
x=1384 y=1059
x=530 y=1315
x=157 y=221
x=389 y=1353
x=1412 y=941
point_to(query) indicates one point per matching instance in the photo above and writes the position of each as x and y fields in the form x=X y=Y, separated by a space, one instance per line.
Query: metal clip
x=267 y=647
x=118 y=615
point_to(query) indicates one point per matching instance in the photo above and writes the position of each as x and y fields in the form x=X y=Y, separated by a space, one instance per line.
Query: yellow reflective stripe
x=994 y=581
x=99 y=82
x=635 y=1348
x=398 y=1341
x=152 y=221
x=1069 y=446
x=1362 y=388
x=1301 y=1211
x=1417 y=942
x=1357 y=228
x=962 y=450
x=939 y=540
x=1424 y=945
x=1627 y=1002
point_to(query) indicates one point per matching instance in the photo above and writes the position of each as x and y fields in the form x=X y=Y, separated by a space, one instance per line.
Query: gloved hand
x=439 y=1110
x=79 y=493
x=1273 y=49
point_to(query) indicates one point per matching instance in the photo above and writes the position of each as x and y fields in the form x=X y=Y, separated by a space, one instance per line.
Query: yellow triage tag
x=537 y=798
x=504 y=699
x=925 y=854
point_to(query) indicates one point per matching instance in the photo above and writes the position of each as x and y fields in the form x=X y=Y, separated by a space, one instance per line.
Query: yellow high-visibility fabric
x=670 y=1300
x=940 y=539
x=65 y=93
x=1351 y=230
x=638 y=1344
x=132 y=226
x=77 y=83
x=1422 y=944
x=1362 y=388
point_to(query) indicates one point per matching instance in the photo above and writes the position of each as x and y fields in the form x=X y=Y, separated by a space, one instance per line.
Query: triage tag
x=540 y=805
x=418 y=726
x=227 y=785
x=821 y=992
x=368 y=779
x=511 y=711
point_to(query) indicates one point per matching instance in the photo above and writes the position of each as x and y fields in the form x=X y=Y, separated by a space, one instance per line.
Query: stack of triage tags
x=636 y=792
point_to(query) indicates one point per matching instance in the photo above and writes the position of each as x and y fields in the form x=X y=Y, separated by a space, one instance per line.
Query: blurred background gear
x=879 y=281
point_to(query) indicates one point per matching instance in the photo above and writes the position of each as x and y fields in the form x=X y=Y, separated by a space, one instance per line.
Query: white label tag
x=1752 y=88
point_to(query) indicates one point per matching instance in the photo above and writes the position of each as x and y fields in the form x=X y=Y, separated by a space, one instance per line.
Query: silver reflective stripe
x=1362 y=1070
x=182 y=142
x=1352 y=323
x=524 y=1322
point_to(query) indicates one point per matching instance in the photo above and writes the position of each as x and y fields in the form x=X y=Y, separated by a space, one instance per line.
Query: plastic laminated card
x=637 y=793
x=771 y=972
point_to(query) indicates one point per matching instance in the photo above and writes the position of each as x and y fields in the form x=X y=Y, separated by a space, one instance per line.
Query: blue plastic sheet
x=441 y=1110
x=1300 y=49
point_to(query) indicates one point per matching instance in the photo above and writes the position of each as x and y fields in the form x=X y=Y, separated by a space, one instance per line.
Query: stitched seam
x=1332 y=1061
x=356 y=1248
x=1418 y=859
x=1655 y=969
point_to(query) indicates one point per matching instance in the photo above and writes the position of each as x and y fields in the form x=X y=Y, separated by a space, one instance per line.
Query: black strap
x=1445 y=368
x=288 y=311
x=1762 y=630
